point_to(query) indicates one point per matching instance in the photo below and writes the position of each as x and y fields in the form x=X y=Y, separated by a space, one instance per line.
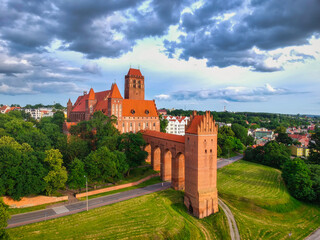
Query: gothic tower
x=201 y=195
x=69 y=109
x=134 y=85
x=90 y=104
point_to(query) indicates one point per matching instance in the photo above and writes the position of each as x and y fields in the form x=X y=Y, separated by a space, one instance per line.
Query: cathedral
x=133 y=112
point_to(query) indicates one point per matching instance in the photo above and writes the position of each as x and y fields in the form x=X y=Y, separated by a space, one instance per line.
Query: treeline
x=37 y=158
x=57 y=106
x=302 y=176
x=267 y=120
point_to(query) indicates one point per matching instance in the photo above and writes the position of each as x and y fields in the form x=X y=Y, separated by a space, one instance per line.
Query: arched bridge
x=166 y=153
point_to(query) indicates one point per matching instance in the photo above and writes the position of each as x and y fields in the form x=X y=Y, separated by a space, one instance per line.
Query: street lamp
x=87 y=192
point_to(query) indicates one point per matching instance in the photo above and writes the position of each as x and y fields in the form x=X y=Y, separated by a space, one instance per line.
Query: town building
x=176 y=124
x=302 y=138
x=162 y=111
x=299 y=151
x=133 y=112
x=6 y=109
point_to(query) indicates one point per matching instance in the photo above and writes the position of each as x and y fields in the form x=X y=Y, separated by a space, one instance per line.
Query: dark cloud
x=266 y=25
x=92 y=68
x=232 y=94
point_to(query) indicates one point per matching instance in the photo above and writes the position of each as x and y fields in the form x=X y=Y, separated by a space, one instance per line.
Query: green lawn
x=262 y=205
x=160 y=215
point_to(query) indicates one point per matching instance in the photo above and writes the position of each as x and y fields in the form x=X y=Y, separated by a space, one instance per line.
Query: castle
x=133 y=112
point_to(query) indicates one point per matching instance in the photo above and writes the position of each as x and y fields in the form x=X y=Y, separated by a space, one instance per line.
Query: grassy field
x=160 y=215
x=261 y=204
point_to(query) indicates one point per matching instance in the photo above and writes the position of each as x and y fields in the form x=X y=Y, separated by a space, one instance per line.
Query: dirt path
x=314 y=236
x=234 y=232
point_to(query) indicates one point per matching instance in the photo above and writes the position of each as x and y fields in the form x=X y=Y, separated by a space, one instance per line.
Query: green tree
x=314 y=147
x=4 y=217
x=284 y=138
x=315 y=178
x=275 y=154
x=163 y=123
x=57 y=175
x=281 y=129
x=296 y=174
x=76 y=175
x=240 y=132
x=58 y=119
x=132 y=145
x=36 y=139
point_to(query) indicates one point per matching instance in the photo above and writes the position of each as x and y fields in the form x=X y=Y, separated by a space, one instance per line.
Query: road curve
x=234 y=232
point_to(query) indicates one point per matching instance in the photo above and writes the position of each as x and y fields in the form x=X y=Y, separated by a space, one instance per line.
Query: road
x=314 y=236
x=226 y=161
x=42 y=215
x=64 y=210
x=234 y=232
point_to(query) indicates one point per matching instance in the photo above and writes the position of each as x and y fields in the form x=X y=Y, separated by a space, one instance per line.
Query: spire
x=69 y=102
x=115 y=93
x=92 y=95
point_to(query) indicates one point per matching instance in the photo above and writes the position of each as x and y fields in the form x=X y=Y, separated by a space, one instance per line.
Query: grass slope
x=160 y=215
x=262 y=206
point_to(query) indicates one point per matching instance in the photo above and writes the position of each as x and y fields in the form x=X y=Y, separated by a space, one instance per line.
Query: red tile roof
x=134 y=72
x=69 y=124
x=91 y=94
x=142 y=108
x=115 y=93
x=80 y=104
x=193 y=128
x=166 y=136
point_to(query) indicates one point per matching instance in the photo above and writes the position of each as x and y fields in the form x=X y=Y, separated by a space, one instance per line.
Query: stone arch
x=156 y=158
x=147 y=148
x=178 y=175
x=166 y=167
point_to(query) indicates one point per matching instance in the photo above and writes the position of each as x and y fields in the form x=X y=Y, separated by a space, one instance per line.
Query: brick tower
x=201 y=195
x=90 y=104
x=69 y=108
x=134 y=85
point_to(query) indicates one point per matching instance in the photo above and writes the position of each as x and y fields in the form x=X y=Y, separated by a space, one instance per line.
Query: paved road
x=234 y=232
x=55 y=212
x=42 y=215
x=226 y=161
x=315 y=235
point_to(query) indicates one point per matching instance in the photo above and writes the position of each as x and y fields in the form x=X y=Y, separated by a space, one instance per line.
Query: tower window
x=133 y=111
x=146 y=111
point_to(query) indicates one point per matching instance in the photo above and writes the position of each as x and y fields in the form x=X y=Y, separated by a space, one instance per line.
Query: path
x=68 y=209
x=234 y=232
x=42 y=215
x=314 y=236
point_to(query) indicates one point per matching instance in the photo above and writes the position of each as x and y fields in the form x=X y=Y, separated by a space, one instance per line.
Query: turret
x=69 y=109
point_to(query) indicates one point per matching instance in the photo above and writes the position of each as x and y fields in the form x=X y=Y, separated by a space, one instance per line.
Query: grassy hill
x=159 y=215
x=262 y=205
x=255 y=194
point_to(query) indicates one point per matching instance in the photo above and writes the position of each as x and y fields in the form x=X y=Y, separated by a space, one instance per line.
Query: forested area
x=267 y=120
x=37 y=158
x=302 y=176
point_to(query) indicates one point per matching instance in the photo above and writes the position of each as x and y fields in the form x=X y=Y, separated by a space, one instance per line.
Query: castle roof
x=91 y=94
x=167 y=136
x=134 y=72
x=141 y=108
x=115 y=93
x=193 y=127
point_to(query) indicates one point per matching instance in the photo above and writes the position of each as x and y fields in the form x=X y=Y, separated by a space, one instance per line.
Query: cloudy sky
x=247 y=55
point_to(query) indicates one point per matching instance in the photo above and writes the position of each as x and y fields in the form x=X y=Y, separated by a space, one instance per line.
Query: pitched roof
x=167 y=136
x=142 y=108
x=193 y=128
x=80 y=104
x=91 y=94
x=135 y=72
x=115 y=93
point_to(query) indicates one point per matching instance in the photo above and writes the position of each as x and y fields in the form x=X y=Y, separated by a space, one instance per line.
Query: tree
x=315 y=178
x=132 y=144
x=103 y=165
x=76 y=175
x=57 y=175
x=240 y=132
x=58 y=119
x=314 y=147
x=4 y=217
x=281 y=129
x=163 y=123
x=36 y=139
x=275 y=154
x=284 y=138
x=296 y=174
